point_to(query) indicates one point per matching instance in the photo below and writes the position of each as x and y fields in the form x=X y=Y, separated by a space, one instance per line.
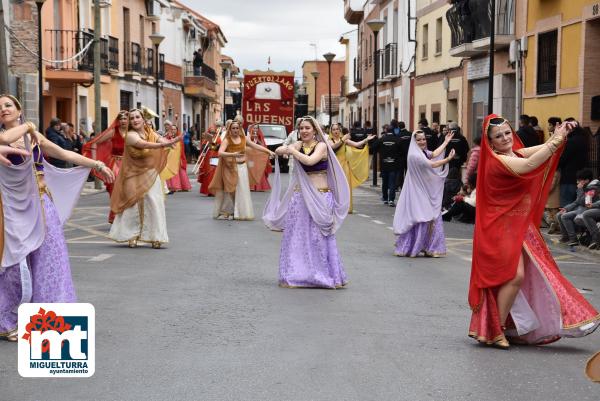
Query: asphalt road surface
x=204 y=319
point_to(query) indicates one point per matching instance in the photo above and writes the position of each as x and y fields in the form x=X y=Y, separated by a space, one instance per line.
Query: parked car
x=274 y=136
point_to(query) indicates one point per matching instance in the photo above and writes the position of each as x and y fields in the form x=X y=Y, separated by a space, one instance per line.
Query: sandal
x=156 y=245
x=132 y=243
x=12 y=336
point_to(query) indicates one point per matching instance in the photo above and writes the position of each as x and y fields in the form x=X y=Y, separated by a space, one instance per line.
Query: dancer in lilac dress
x=310 y=212
x=418 y=217
x=34 y=262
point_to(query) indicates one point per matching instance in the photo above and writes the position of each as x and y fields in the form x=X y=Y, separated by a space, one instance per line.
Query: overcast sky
x=281 y=29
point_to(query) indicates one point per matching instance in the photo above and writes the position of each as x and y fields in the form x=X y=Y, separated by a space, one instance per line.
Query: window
x=425 y=48
x=546 y=62
x=422 y=115
x=438 y=36
x=435 y=117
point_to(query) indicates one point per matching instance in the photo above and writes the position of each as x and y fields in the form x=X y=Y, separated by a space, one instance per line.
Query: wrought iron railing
x=133 y=57
x=113 y=53
x=150 y=61
x=388 y=60
x=200 y=71
x=161 y=66
x=469 y=20
x=64 y=44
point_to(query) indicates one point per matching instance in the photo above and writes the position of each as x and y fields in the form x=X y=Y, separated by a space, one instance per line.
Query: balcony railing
x=202 y=71
x=161 y=66
x=469 y=20
x=133 y=57
x=150 y=62
x=64 y=44
x=113 y=53
x=388 y=61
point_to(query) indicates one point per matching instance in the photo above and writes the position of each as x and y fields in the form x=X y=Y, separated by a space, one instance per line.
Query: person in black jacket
x=459 y=144
x=357 y=133
x=573 y=159
x=404 y=135
x=388 y=147
x=526 y=132
x=54 y=133
x=430 y=136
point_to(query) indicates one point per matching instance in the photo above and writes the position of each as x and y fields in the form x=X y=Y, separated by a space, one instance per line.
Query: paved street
x=204 y=319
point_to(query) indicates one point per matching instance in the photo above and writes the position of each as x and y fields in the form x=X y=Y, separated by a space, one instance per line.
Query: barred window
x=546 y=62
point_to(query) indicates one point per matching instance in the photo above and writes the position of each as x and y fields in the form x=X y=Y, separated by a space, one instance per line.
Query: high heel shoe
x=132 y=243
x=156 y=245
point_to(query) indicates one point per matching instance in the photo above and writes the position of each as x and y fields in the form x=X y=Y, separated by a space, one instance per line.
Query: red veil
x=103 y=151
x=507 y=203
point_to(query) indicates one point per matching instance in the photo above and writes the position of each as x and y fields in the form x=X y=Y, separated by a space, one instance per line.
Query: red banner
x=268 y=98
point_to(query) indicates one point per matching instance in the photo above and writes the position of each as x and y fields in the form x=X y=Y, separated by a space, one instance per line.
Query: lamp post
x=156 y=39
x=329 y=57
x=492 y=50
x=39 y=4
x=315 y=75
x=375 y=26
x=225 y=66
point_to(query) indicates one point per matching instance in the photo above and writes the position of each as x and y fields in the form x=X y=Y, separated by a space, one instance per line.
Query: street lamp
x=225 y=66
x=491 y=55
x=329 y=57
x=39 y=4
x=375 y=26
x=156 y=39
x=315 y=75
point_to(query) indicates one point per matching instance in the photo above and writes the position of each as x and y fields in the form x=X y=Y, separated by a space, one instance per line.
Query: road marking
x=363 y=215
x=90 y=242
x=377 y=222
x=86 y=229
x=80 y=238
x=562 y=257
x=390 y=228
x=101 y=257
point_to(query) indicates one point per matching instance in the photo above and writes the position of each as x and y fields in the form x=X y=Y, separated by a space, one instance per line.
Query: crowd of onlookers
x=63 y=134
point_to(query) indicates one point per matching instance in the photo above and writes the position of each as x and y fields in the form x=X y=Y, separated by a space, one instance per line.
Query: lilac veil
x=421 y=196
x=326 y=218
x=32 y=227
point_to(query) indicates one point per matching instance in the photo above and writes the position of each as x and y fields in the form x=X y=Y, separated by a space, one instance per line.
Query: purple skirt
x=308 y=258
x=423 y=237
x=50 y=273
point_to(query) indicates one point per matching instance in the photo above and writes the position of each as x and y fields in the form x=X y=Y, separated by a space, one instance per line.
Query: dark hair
x=54 y=121
x=356 y=124
x=533 y=120
x=585 y=174
x=71 y=125
x=401 y=125
x=477 y=140
x=472 y=180
x=423 y=122
x=554 y=120
x=367 y=123
x=394 y=123
x=524 y=118
x=345 y=130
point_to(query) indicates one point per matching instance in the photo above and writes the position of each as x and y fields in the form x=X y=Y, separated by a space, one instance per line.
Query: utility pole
x=97 y=70
x=3 y=55
x=97 y=77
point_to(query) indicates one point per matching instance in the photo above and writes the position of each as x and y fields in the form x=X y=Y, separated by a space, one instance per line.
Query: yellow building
x=438 y=75
x=561 y=63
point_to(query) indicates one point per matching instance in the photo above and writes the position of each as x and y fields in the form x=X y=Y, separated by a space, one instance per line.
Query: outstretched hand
x=8 y=150
x=108 y=175
x=448 y=137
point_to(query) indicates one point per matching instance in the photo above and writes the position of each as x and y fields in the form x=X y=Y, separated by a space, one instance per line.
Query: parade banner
x=268 y=98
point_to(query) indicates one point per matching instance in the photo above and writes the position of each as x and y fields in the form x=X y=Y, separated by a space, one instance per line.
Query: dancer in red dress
x=108 y=147
x=256 y=136
x=208 y=159
x=517 y=292
x=180 y=181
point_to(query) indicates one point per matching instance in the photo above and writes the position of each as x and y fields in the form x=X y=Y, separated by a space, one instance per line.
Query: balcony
x=66 y=44
x=133 y=58
x=388 y=62
x=200 y=81
x=469 y=22
x=353 y=12
x=357 y=74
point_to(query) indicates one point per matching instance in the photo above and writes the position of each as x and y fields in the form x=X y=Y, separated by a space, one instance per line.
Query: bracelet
x=99 y=165
x=551 y=147
x=31 y=128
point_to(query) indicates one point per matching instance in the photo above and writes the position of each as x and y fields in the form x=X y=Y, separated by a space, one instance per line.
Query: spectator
x=589 y=218
x=464 y=203
x=452 y=186
x=473 y=159
x=388 y=147
x=432 y=141
x=197 y=62
x=526 y=132
x=357 y=133
x=567 y=214
x=573 y=159
x=459 y=144
x=76 y=139
x=54 y=133
x=539 y=132
x=395 y=127
x=405 y=136
x=437 y=131
x=553 y=202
